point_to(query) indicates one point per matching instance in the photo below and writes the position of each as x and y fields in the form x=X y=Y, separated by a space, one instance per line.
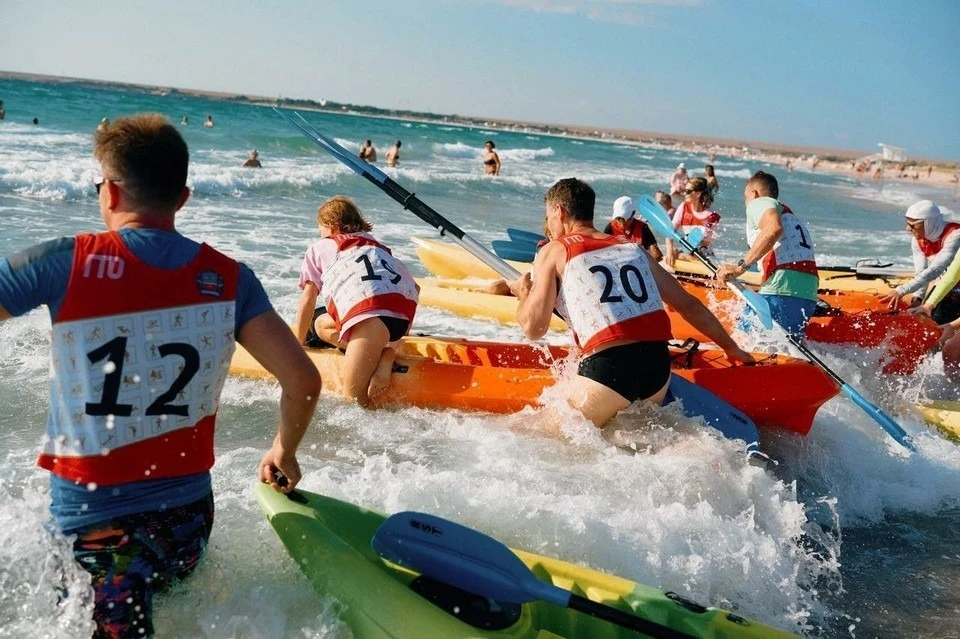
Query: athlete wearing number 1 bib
x=781 y=244
x=612 y=295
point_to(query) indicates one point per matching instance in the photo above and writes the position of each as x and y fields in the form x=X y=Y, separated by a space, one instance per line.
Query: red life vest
x=608 y=293
x=139 y=357
x=635 y=235
x=689 y=218
x=932 y=248
x=365 y=277
x=792 y=252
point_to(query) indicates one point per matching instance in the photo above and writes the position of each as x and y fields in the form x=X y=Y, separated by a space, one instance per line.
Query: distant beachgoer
x=781 y=245
x=713 y=158
x=712 y=182
x=209 y=123
x=104 y=123
x=393 y=155
x=693 y=212
x=935 y=244
x=253 y=160
x=367 y=152
x=36 y=121
x=491 y=160
x=929 y=168
x=625 y=223
x=663 y=199
x=789 y=166
x=3 y=113
x=184 y=121
x=878 y=174
x=678 y=180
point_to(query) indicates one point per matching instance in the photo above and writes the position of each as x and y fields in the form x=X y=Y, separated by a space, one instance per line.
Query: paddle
x=469 y=560
x=659 y=218
x=520 y=237
x=403 y=196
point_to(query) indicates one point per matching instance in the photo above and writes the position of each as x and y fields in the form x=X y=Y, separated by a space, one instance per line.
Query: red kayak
x=853 y=318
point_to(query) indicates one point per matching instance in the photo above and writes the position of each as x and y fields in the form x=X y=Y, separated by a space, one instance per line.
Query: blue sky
x=845 y=74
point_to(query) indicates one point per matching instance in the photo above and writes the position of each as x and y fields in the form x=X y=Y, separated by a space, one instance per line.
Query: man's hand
x=737 y=354
x=520 y=288
x=728 y=272
x=923 y=310
x=892 y=299
x=948 y=332
x=274 y=461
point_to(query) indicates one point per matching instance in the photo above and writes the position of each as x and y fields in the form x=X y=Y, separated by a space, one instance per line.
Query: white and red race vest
x=139 y=356
x=608 y=293
x=932 y=248
x=690 y=219
x=366 y=278
x=793 y=251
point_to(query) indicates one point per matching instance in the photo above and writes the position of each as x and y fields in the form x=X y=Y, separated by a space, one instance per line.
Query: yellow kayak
x=447 y=260
x=944 y=416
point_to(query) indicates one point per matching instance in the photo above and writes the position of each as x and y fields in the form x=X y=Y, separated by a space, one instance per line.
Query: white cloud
x=620 y=11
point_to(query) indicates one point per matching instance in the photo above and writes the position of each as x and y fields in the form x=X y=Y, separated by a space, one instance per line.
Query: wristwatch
x=742 y=264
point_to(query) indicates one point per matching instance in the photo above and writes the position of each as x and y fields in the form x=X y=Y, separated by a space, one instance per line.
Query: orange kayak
x=856 y=318
x=503 y=377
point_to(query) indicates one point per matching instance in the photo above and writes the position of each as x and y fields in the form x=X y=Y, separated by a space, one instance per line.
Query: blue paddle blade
x=516 y=251
x=885 y=421
x=695 y=237
x=658 y=217
x=461 y=557
x=519 y=235
x=698 y=401
x=755 y=301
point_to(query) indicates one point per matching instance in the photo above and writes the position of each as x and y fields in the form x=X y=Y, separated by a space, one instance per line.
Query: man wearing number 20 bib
x=781 y=244
x=144 y=326
x=611 y=293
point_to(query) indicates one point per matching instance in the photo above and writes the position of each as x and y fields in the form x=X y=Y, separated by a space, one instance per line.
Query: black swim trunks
x=396 y=326
x=947 y=310
x=635 y=371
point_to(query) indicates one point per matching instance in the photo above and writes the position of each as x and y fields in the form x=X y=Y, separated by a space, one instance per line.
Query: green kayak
x=330 y=541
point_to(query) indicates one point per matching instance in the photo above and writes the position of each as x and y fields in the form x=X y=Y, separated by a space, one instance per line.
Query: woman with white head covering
x=935 y=243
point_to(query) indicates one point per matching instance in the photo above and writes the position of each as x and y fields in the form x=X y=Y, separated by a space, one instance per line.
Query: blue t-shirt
x=39 y=275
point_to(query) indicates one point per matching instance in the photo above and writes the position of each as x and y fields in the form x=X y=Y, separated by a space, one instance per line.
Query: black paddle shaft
x=625 y=619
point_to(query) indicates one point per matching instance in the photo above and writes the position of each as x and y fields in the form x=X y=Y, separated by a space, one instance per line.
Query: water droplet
x=109 y=367
x=92 y=486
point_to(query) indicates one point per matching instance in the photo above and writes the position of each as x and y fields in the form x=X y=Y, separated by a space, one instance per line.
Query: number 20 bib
x=608 y=293
x=139 y=357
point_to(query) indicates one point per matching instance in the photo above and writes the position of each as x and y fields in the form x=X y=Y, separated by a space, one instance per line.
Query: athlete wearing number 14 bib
x=369 y=298
x=612 y=295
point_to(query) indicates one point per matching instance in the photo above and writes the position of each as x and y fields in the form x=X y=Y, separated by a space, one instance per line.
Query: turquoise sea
x=845 y=535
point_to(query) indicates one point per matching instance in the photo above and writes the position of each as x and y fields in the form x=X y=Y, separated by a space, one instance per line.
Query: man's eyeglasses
x=914 y=226
x=689 y=191
x=99 y=183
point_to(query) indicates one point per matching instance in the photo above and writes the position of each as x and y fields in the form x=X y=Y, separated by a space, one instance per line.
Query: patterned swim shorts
x=132 y=557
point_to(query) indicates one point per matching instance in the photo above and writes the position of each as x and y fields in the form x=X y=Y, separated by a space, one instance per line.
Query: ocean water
x=844 y=535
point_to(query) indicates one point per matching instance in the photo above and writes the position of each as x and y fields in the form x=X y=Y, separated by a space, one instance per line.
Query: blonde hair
x=340 y=214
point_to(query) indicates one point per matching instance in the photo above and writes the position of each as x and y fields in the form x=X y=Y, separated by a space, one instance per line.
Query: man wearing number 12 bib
x=611 y=293
x=781 y=243
x=145 y=322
